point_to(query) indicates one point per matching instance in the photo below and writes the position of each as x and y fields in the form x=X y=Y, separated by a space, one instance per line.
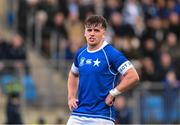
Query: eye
x=89 y=30
x=96 y=30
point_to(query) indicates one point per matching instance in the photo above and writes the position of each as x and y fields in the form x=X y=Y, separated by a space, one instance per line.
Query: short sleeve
x=120 y=62
x=74 y=67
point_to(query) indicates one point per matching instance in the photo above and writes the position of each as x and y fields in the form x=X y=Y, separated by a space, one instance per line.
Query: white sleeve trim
x=74 y=69
x=124 y=67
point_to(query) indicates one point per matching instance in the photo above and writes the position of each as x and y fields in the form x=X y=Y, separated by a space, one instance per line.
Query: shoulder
x=80 y=50
x=110 y=50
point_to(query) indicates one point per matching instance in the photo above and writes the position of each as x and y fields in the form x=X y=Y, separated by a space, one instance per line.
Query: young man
x=93 y=79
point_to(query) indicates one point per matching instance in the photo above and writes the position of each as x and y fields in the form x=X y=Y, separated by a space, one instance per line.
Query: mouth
x=91 y=39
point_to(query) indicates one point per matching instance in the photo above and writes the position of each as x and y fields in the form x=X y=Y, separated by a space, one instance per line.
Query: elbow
x=136 y=79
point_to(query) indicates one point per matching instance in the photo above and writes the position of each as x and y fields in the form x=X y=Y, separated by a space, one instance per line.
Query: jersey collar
x=102 y=46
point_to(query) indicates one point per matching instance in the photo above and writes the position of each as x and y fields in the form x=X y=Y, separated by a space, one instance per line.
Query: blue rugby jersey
x=98 y=73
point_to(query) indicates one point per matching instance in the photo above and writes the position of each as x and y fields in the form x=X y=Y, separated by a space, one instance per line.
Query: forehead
x=94 y=26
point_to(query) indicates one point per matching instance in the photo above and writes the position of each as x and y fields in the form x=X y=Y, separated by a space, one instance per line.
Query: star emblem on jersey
x=96 y=62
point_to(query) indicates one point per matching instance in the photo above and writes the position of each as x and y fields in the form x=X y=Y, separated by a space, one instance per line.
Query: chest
x=92 y=63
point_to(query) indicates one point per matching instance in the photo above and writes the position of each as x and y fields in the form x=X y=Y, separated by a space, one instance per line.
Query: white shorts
x=77 y=120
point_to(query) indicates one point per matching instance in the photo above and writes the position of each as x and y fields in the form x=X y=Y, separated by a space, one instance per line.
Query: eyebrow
x=95 y=29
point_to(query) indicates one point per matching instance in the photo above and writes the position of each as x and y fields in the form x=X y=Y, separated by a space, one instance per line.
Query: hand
x=109 y=100
x=73 y=103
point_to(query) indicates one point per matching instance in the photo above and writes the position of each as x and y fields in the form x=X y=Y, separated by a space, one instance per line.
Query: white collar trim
x=102 y=46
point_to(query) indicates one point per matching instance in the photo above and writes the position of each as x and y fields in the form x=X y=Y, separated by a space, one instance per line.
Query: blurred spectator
x=165 y=65
x=41 y=121
x=155 y=30
x=63 y=7
x=86 y=7
x=54 y=32
x=59 y=26
x=172 y=87
x=73 y=7
x=59 y=121
x=177 y=67
x=149 y=72
x=54 y=12
x=30 y=93
x=17 y=49
x=112 y=6
x=120 y=29
x=123 y=112
x=123 y=36
x=59 y=33
x=51 y=7
x=132 y=11
x=162 y=10
x=149 y=9
x=13 y=113
x=149 y=49
x=171 y=46
x=174 y=25
x=173 y=6
x=26 y=18
x=22 y=17
x=14 y=86
x=70 y=51
x=75 y=29
x=17 y=53
x=4 y=47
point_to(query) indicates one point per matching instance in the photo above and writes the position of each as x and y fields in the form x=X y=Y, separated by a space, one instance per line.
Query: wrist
x=114 y=92
x=69 y=98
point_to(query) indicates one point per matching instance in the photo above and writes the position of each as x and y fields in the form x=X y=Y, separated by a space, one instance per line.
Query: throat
x=95 y=47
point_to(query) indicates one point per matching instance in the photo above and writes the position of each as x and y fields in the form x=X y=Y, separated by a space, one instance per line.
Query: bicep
x=131 y=74
x=73 y=75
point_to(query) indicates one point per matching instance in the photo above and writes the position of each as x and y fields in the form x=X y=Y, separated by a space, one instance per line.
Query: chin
x=92 y=43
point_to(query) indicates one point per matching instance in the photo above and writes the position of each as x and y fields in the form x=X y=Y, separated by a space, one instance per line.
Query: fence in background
x=149 y=102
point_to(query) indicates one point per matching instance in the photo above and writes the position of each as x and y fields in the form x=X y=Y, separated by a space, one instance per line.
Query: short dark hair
x=95 y=20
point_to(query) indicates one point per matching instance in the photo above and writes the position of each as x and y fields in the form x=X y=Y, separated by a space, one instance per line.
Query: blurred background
x=39 y=38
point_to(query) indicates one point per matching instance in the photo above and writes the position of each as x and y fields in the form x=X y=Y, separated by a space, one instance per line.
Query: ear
x=84 y=33
x=104 y=33
x=103 y=37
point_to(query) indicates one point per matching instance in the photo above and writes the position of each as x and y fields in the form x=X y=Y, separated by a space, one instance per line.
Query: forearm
x=130 y=78
x=72 y=85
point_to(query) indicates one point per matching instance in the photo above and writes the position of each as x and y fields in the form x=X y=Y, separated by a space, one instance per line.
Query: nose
x=92 y=33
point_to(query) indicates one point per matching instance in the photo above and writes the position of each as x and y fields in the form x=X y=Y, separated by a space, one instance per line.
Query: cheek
x=100 y=36
x=85 y=34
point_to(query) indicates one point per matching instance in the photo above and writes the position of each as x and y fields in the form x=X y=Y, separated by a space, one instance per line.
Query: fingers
x=109 y=103
x=73 y=104
x=109 y=100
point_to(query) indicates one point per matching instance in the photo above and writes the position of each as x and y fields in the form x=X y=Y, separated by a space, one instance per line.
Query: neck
x=95 y=47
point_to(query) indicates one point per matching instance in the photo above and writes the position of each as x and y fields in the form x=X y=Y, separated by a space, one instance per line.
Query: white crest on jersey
x=89 y=61
x=96 y=62
x=82 y=61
